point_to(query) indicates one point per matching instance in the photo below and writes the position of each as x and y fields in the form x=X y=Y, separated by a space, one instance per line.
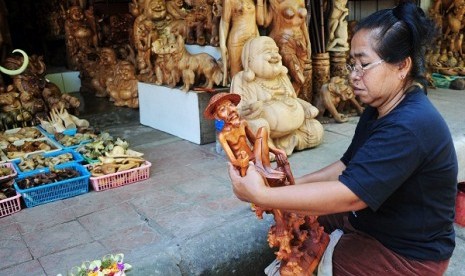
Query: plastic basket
x=51 y=142
x=70 y=132
x=58 y=190
x=118 y=179
x=10 y=205
x=77 y=158
x=13 y=174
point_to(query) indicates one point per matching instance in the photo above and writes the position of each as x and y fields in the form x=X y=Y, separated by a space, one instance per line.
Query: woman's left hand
x=249 y=187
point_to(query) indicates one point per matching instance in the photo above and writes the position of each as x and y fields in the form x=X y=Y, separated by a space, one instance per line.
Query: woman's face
x=379 y=81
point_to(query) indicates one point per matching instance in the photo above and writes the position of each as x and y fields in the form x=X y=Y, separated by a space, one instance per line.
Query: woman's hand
x=248 y=188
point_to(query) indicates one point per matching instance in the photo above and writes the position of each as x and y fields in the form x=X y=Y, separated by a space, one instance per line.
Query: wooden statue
x=122 y=87
x=237 y=25
x=79 y=38
x=338 y=32
x=300 y=240
x=164 y=68
x=287 y=26
x=104 y=69
x=191 y=67
x=269 y=99
x=199 y=22
x=332 y=94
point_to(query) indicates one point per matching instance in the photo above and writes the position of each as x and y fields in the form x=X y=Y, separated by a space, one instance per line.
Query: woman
x=393 y=191
x=237 y=25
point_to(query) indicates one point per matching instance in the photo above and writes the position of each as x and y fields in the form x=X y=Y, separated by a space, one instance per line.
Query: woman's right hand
x=249 y=187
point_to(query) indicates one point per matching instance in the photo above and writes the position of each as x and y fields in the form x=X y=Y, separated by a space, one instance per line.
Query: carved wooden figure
x=79 y=37
x=269 y=99
x=193 y=67
x=199 y=22
x=300 y=240
x=237 y=25
x=331 y=95
x=104 y=69
x=287 y=26
x=338 y=32
x=122 y=86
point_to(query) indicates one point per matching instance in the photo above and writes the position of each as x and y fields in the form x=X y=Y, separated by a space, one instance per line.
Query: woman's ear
x=405 y=66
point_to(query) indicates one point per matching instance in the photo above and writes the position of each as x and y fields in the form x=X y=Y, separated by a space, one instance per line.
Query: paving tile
x=8 y=227
x=27 y=268
x=63 y=261
x=13 y=251
x=129 y=239
x=110 y=221
x=56 y=238
x=92 y=202
x=188 y=222
x=43 y=216
x=152 y=204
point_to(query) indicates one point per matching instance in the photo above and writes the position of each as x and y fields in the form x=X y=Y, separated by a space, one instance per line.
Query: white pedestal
x=66 y=81
x=176 y=112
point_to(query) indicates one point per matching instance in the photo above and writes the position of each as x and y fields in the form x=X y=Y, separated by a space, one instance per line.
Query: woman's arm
x=317 y=198
x=328 y=173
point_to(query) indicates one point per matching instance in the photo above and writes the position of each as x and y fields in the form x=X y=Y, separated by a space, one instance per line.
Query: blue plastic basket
x=70 y=132
x=77 y=158
x=58 y=190
x=73 y=146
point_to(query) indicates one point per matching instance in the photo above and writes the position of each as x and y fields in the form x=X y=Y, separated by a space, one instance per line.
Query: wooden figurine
x=300 y=240
x=191 y=67
x=338 y=27
x=104 y=69
x=122 y=86
x=331 y=95
x=269 y=99
x=79 y=38
x=237 y=25
x=286 y=22
x=199 y=22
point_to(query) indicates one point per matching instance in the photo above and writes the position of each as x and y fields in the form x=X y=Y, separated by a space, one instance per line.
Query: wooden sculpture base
x=176 y=112
x=300 y=239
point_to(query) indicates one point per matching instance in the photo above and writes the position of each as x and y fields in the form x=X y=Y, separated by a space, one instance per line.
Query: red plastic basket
x=10 y=205
x=118 y=179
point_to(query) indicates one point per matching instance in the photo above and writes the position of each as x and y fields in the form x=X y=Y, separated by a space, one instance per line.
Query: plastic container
x=10 y=205
x=69 y=132
x=77 y=158
x=219 y=124
x=118 y=179
x=460 y=204
x=57 y=190
x=54 y=146
x=13 y=174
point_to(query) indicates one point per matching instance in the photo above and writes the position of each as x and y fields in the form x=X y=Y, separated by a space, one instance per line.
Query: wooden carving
x=191 y=67
x=331 y=96
x=103 y=70
x=287 y=26
x=122 y=86
x=269 y=99
x=199 y=22
x=338 y=27
x=79 y=37
x=300 y=240
x=237 y=25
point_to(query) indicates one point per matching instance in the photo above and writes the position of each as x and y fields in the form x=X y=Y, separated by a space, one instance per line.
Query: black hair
x=401 y=32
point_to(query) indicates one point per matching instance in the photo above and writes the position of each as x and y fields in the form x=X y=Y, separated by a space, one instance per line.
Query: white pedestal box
x=176 y=112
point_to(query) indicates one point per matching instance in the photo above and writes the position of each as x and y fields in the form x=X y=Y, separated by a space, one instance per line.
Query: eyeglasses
x=360 y=70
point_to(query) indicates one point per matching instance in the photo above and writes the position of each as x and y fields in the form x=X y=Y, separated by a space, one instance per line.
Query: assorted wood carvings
x=447 y=57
